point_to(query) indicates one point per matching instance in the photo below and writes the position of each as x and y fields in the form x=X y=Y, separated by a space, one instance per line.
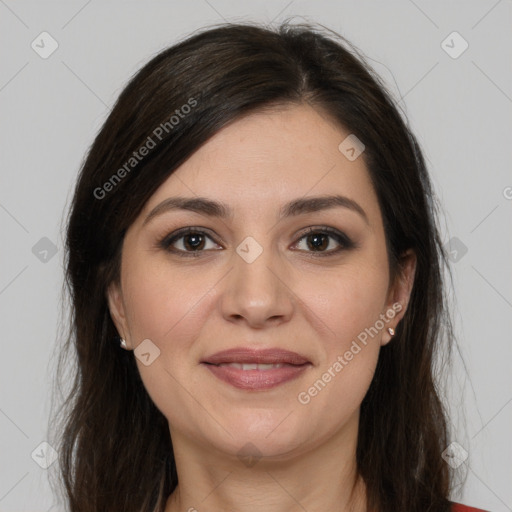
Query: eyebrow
x=212 y=208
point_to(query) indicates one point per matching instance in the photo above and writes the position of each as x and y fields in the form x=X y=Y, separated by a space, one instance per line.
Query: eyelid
x=345 y=243
x=166 y=241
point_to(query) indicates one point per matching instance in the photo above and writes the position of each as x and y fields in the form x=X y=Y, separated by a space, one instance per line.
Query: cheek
x=350 y=309
x=166 y=307
x=348 y=306
x=162 y=305
x=347 y=302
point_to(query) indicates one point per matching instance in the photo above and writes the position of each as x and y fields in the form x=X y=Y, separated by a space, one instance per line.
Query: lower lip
x=257 y=379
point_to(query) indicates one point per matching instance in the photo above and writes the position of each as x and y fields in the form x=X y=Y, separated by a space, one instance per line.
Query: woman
x=256 y=281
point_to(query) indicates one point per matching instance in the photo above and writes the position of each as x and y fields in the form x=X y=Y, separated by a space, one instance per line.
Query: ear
x=400 y=292
x=117 y=310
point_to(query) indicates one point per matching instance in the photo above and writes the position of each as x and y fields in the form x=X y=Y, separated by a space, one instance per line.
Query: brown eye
x=188 y=241
x=326 y=241
x=317 y=241
x=193 y=241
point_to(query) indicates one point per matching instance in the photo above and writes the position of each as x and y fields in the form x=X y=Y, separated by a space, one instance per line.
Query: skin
x=288 y=297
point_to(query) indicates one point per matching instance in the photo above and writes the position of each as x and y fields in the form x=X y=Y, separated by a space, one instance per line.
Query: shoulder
x=457 y=507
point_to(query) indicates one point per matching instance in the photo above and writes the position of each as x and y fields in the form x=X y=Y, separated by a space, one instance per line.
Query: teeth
x=252 y=366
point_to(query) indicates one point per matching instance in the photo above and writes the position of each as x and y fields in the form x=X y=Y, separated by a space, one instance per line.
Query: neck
x=322 y=478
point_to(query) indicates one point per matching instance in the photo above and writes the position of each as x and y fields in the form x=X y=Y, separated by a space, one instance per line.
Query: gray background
x=460 y=108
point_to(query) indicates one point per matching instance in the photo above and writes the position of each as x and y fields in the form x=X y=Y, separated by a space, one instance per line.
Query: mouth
x=253 y=366
x=250 y=369
x=268 y=356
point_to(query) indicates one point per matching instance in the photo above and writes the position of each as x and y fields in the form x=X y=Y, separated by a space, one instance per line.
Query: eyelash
x=345 y=242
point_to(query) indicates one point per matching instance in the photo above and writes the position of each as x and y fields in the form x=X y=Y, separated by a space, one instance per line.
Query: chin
x=263 y=433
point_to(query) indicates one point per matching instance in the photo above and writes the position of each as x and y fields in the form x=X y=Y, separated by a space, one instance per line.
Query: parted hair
x=115 y=450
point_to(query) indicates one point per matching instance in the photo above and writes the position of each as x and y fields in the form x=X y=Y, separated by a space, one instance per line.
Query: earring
x=123 y=343
x=391 y=331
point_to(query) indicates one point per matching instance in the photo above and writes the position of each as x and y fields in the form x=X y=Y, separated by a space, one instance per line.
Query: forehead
x=269 y=158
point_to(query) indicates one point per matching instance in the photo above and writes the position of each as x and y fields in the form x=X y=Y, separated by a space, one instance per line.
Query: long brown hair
x=115 y=451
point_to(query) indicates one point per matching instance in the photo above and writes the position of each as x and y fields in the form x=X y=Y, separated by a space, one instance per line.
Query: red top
x=457 y=507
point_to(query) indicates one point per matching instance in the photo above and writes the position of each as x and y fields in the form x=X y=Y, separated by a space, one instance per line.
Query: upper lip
x=256 y=356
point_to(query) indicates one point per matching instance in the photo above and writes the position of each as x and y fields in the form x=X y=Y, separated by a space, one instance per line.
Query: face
x=311 y=279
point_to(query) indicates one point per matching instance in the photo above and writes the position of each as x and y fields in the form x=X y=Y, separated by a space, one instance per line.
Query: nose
x=257 y=292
